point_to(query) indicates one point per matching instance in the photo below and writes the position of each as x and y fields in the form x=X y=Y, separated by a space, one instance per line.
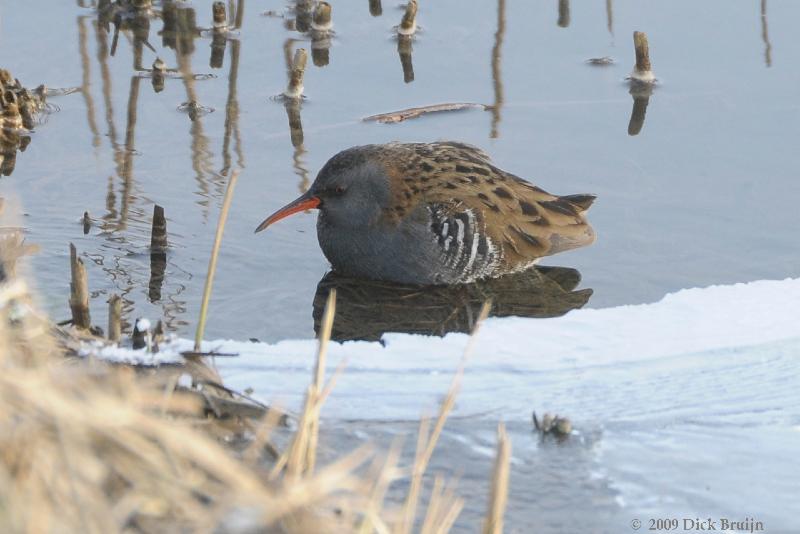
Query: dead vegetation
x=90 y=447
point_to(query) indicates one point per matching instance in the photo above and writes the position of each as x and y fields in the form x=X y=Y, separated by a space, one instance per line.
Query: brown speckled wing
x=523 y=221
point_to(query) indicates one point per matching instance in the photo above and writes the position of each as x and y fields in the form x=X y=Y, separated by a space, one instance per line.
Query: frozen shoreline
x=409 y=373
x=689 y=387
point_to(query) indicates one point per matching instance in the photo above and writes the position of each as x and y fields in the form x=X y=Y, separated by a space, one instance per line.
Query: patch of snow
x=586 y=361
x=143 y=324
x=170 y=355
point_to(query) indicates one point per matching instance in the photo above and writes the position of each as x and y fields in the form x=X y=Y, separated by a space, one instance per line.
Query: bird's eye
x=339 y=189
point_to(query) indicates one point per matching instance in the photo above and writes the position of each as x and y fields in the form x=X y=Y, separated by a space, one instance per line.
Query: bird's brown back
x=524 y=221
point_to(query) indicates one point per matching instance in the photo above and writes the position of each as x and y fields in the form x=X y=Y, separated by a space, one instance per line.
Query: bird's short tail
x=582 y=202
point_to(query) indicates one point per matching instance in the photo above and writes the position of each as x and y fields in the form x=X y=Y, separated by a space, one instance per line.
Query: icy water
x=705 y=193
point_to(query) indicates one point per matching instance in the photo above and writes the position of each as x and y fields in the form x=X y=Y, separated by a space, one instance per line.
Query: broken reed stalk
x=375 y=8
x=212 y=262
x=219 y=16
x=78 y=291
x=427 y=442
x=443 y=508
x=159 y=66
x=498 y=495
x=114 y=318
x=563 y=14
x=409 y=23
x=87 y=222
x=321 y=20
x=383 y=477
x=300 y=457
x=319 y=377
x=158 y=231
x=295 y=87
x=158 y=74
x=642 y=71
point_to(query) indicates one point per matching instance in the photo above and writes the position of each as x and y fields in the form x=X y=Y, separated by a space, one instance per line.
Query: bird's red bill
x=301 y=204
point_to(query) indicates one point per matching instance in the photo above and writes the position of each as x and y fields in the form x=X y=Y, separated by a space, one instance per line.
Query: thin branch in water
x=413 y=113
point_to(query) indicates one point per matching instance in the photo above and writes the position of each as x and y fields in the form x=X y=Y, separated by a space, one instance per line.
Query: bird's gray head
x=350 y=190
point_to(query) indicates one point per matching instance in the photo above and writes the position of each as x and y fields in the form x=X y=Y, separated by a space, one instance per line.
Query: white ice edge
x=410 y=372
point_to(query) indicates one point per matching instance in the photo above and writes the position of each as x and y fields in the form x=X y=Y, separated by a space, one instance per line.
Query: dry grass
x=498 y=496
x=86 y=447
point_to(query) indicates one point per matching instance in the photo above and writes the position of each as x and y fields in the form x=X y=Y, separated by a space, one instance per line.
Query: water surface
x=704 y=193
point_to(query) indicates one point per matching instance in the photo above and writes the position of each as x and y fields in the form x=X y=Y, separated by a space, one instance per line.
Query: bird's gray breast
x=431 y=245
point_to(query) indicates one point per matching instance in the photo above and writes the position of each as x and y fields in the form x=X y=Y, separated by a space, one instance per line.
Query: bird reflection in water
x=366 y=309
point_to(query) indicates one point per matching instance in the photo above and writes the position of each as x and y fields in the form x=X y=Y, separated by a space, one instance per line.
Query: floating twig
x=212 y=262
x=408 y=26
x=412 y=113
x=78 y=291
x=295 y=87
x=601 y=61
x=642 y=71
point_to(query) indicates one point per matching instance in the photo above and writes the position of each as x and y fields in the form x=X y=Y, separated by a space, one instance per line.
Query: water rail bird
x=434 y=214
